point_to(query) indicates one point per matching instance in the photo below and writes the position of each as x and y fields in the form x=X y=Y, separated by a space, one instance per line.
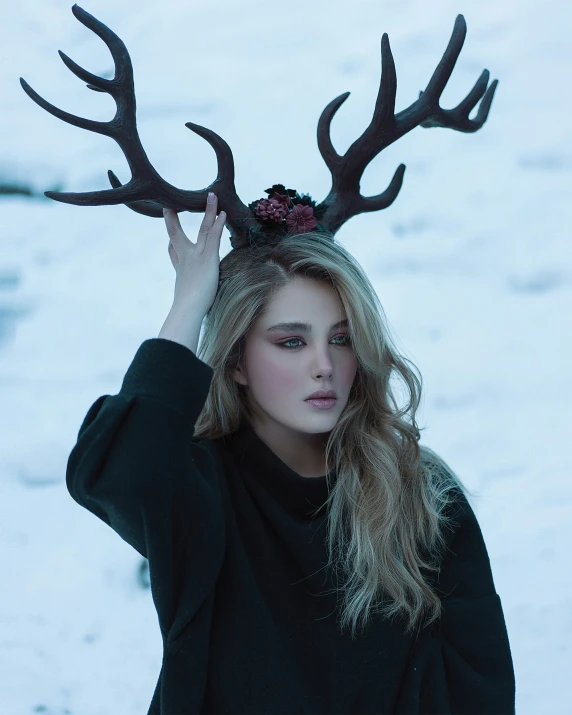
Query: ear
x=239 y=376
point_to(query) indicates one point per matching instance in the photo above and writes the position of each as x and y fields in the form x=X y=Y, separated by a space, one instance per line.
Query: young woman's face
x=282 y=367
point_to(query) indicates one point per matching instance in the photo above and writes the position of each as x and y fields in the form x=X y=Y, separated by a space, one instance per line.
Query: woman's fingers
x=219 y=223
x=173 y=255
x=209 y=218
x=211 y=223
x=174 y=228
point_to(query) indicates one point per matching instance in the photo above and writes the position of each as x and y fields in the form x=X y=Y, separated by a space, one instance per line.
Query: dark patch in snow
x=540 y=282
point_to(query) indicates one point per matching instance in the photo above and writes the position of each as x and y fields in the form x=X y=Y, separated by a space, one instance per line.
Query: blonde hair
x=387 y=507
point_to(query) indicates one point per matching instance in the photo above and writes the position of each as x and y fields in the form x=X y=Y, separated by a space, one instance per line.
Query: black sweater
x=236 y=562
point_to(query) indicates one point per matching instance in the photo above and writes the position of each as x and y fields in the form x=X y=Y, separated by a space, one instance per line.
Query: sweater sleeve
x=138 y=468
x=474 y=639
x=462 y=665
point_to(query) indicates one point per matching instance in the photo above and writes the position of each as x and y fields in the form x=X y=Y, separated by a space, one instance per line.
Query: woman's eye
x=345 y=338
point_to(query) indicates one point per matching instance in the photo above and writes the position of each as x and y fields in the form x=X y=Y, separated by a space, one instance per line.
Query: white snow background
x=472 y=263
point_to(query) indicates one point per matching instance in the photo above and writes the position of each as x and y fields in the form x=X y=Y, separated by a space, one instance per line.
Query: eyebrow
x=302 y=327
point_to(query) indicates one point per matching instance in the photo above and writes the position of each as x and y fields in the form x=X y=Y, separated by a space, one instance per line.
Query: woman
x=304 y=557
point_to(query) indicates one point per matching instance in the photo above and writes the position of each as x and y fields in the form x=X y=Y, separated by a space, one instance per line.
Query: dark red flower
x=274 y=209
x=282 y=198
x=301 y=219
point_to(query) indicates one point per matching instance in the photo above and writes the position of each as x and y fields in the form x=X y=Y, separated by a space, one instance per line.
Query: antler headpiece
x=284 y=211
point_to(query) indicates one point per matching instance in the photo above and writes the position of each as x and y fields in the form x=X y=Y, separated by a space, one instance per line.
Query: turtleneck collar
x=299 y=495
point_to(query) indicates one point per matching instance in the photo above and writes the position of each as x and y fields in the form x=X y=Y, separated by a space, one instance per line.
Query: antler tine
x=146 y=192
x=344 y=199
x=458 y=117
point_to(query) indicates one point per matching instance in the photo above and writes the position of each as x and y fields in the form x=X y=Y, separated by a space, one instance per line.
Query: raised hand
x=196 y=264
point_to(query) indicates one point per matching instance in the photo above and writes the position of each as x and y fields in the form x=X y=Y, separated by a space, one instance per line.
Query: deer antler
x=345 y=199
x=146 y=192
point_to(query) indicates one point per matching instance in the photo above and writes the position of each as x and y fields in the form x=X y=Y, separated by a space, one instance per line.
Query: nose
x=325 y=363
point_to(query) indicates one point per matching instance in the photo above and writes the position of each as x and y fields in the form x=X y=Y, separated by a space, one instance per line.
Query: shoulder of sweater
x=457 y=509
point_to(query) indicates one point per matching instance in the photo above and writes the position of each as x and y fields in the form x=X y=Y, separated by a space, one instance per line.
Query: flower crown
x=285 y=211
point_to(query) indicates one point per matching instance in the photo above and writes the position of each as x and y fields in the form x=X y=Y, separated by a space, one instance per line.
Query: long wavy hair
x=388 y=504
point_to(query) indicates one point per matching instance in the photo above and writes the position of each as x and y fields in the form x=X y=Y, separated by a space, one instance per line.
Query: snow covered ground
x=472 y=263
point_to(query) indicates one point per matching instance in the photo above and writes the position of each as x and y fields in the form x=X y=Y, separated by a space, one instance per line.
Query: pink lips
x=322 y=404
x=322 y=394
